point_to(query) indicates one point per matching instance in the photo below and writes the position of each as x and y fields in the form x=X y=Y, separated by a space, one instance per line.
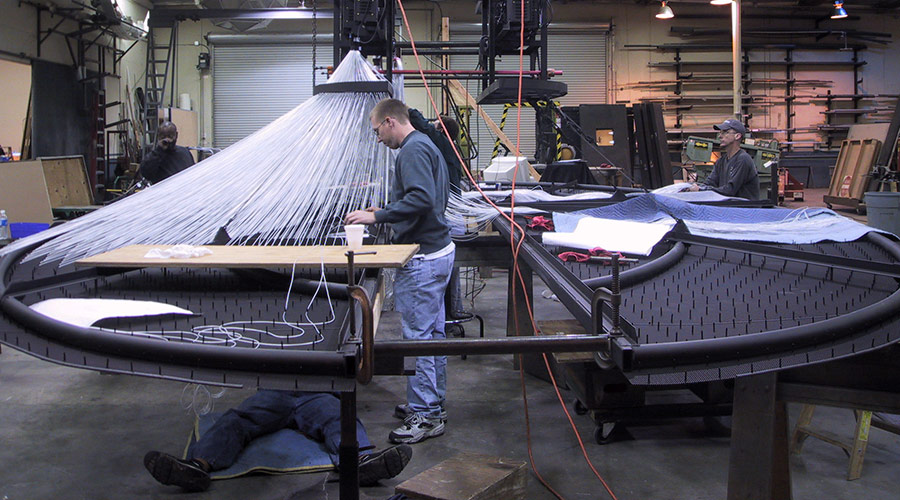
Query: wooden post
x=517 y=307
x=860 y=441
x=445 y=61
x=758 y=467
x=799 y=436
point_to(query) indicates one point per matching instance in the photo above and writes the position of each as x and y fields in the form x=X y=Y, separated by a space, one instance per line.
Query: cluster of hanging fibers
x=467 y=216
x=291 y=181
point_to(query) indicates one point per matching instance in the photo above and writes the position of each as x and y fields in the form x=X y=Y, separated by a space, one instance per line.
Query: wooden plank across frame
x=265 y=257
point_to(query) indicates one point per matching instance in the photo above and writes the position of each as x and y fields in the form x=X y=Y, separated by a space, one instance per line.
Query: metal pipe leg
x=349 y=448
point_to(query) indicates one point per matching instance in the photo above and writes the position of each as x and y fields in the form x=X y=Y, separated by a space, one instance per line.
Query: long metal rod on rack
x=736 y=57
x=454 y=72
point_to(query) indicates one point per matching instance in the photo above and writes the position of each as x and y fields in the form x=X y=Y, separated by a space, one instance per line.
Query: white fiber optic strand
x=471 y=213
x=291 y=180
x=232 y=333
x=199 y=393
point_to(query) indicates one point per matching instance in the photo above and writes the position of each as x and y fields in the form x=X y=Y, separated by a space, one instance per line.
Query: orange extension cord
x=515 y=227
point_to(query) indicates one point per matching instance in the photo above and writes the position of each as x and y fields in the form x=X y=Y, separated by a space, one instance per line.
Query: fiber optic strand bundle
x=291 y=181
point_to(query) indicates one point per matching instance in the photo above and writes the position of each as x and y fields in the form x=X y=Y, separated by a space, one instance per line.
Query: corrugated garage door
x=579 y=52
x=256 y=83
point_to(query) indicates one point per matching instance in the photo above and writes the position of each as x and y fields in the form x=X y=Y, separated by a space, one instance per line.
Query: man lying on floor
x=316 y=415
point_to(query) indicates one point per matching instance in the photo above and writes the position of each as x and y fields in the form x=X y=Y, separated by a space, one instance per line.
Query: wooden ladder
x=856 y=448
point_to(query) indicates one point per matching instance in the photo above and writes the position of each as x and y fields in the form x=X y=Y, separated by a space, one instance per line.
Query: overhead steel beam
x=437 y=44
x=161 y=18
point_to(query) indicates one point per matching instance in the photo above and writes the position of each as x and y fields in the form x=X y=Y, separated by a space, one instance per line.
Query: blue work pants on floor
x=317 y=415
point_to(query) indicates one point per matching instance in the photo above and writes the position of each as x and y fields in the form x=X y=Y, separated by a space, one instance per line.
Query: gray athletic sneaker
x=415 y=428
x=403 y=411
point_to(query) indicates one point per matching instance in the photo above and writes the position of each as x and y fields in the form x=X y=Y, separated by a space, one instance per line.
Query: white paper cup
x=354 y=234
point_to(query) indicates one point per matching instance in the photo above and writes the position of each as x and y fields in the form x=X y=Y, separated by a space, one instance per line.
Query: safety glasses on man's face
x=377 y=129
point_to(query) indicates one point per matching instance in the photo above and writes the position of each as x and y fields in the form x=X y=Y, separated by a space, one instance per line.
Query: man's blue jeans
x=419 y=288
x=317 y=415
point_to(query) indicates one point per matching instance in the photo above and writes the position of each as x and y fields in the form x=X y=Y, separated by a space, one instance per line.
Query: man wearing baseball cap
x=734 y=173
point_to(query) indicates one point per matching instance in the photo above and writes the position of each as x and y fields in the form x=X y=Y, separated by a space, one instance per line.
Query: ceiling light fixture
x=720 y=2
x=665 y=12
x=838 y=12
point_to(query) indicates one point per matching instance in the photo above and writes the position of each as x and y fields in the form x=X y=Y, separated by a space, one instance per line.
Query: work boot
x=384 y=464
x=188 y=474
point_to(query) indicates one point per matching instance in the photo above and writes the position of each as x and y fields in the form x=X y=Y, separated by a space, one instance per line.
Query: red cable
x=555 y=386
x=510 y=218
x=522 y=281
x=517 y=247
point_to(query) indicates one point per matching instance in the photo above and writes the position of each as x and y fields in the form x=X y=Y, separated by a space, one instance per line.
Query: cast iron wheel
x=609 y=432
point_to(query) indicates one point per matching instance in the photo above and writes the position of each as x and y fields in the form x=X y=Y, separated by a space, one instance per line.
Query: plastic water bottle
x=4 y=228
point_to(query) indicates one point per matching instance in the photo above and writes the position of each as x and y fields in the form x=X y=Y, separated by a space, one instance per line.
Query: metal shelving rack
x=696 y=72
x=97 y=60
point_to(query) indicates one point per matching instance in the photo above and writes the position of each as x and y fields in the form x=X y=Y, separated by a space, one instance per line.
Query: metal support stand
x=518 y=321
x=616 y=297
x=348 y=452
x=350 y=282
x=349 y=448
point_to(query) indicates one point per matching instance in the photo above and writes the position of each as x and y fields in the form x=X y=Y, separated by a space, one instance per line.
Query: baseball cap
x=732 y=124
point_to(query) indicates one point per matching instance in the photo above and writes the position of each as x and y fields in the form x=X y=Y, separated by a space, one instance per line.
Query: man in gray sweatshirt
x=418 y=200
x=734 y=173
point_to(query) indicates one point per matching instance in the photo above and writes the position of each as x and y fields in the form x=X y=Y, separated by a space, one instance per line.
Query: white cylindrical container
x=354 y=235
x=5 y=233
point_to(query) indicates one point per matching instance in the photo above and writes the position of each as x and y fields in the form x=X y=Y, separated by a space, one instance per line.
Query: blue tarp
x=778 y=225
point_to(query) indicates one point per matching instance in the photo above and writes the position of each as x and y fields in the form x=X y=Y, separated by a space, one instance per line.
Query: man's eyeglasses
x=378 y=128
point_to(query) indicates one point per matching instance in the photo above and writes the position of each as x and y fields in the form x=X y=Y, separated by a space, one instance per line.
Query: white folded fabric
x=612 y=235
x=86 y=312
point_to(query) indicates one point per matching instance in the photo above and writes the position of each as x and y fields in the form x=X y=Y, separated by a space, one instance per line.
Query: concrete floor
x=75 y=434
